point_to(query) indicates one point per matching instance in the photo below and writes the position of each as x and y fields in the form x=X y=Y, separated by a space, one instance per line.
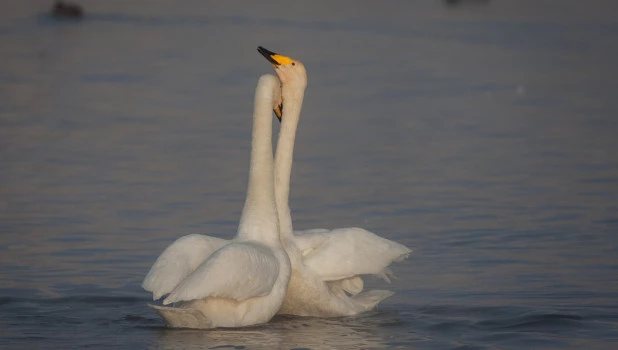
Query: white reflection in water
x=289 y=332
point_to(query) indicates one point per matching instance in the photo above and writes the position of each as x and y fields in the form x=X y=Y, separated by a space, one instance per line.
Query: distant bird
x=453 y=3
x=67 y=10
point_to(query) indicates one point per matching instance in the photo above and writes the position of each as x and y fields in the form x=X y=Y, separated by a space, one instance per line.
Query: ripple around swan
x=546 y=321
x=516 y=326
x=395 y=326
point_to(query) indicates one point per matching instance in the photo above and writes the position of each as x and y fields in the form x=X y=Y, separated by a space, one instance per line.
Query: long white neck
x=259 y=219
x=293 y=102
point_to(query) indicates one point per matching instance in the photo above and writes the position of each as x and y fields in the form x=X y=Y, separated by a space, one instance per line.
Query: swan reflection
x=370 y=330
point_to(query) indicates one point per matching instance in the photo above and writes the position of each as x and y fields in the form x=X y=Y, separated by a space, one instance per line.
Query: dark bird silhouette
x=466 y=2
x=62 y=10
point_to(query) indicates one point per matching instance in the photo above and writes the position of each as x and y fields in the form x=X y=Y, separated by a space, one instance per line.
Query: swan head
x=291 y=72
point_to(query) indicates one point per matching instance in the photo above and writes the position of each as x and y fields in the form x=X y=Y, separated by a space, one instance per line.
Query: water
x=481 y=134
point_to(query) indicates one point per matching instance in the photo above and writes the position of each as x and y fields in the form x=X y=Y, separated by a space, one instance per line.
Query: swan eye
x=293 y=63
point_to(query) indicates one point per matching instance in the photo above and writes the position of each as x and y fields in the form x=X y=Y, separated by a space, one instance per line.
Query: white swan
x=333 y=259
x=242 y=282
x=326 y=264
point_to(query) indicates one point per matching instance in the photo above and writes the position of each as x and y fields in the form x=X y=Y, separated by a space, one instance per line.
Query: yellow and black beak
x=279 y=111
x=274 y=58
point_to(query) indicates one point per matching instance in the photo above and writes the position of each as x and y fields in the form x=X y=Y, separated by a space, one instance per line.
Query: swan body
x=217 y=283
x=338 y=256
x=326 y=265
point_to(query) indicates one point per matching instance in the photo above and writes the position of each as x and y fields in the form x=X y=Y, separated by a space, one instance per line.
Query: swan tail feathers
x=370 y=299
x=404 y=253
x=387 y=275
x=176 y=317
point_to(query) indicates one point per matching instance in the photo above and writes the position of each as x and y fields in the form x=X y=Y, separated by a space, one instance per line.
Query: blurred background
x=481 y=134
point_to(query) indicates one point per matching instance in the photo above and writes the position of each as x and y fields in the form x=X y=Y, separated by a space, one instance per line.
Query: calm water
x=483 y=135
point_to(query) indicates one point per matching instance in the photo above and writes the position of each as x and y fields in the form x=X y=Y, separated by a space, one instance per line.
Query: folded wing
x=179 y=260
x=237 y=271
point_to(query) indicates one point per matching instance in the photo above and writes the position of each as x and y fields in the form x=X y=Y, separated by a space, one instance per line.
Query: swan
x=241 y=282
x=333 y=259
x=326 y=264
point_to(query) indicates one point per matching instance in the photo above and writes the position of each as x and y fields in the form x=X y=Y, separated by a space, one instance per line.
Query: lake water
x=482 y=134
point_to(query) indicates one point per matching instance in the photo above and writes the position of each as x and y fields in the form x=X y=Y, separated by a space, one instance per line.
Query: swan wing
x=237 y=271
x=178 y=260
x=308 y=241
x=347 y=252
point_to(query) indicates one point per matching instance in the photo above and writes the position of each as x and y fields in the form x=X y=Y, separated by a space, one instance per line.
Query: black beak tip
x=264 y=51
x=268 y=55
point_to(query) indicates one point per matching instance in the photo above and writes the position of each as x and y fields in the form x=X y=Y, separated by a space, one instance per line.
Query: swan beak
x=275 y=59
x=279 y=111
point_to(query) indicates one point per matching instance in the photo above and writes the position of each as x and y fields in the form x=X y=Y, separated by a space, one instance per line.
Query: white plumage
x=219 y=275
x=178 y=261
x=326 y=265
x=345 y=252
x=242 y=282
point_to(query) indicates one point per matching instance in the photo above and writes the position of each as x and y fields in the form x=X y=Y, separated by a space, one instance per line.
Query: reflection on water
x=481 y=136
x=104 y=322
x=289 y=332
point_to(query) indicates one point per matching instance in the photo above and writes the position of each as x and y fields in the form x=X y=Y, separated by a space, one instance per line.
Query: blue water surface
x=482 y=134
